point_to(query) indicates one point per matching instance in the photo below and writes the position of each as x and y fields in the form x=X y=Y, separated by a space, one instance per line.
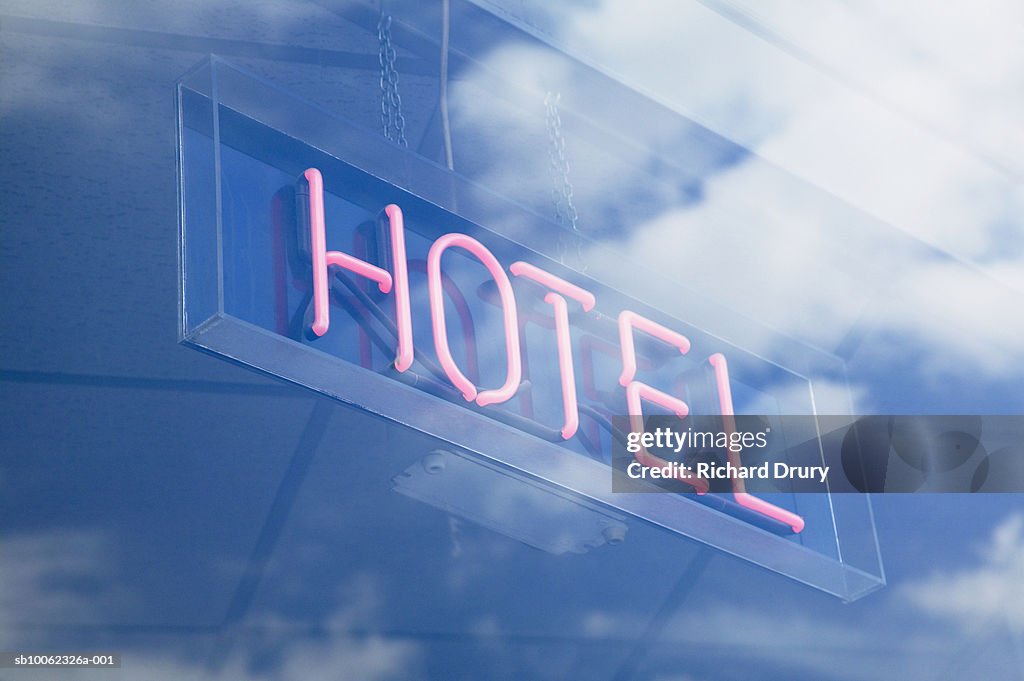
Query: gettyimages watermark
x=816 y=454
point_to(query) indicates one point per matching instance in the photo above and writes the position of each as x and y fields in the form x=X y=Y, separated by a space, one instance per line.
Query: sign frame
x=215 y=93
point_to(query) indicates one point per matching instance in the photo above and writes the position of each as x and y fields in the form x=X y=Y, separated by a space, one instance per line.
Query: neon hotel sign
x=561 y=294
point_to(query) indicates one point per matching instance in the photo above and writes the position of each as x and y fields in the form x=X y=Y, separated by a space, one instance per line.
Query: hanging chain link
x=391 y=118
x=562 y=193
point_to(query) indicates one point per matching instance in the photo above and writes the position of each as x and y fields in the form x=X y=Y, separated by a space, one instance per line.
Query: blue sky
x=866 y=204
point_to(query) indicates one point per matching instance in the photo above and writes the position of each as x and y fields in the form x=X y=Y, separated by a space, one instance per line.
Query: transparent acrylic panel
x=248 y=295
x=198 y=189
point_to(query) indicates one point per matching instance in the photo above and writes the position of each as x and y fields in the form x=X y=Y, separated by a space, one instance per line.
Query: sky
x=901 y=226
x=863 y=208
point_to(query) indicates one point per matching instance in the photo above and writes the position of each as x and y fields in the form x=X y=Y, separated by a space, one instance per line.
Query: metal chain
x=562 y=193
x=391 y=119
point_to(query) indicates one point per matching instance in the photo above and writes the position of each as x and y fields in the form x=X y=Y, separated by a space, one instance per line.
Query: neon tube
x=568 y=376
x=322 y=258
x=465 y=319
x=744 y=499
x=629 y=320
x=400 y=268
x=534 y=273
x=508 y=304
x=636 y=392
x=562 y=333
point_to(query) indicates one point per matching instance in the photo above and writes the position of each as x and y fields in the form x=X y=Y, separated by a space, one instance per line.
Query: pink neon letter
x=572 y=415
x=627 y=321
x=322 y=257
x=508 y=304
x=400 y=268
x=637 y=391
x=744 y=499
x=562 y=337
x=525 y=269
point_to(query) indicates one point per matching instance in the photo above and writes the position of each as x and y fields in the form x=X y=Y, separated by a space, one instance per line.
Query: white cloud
x=806 y=644
x=989 y=593
x=34 y=566
x=885 y=134
x=910 y=119
x=41 y=574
